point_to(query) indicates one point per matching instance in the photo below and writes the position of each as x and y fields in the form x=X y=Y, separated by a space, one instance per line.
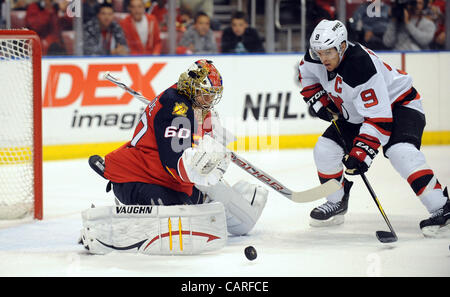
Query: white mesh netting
x=16 y=128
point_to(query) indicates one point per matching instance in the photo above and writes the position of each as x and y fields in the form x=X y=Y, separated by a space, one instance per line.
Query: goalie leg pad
x=155 y=230
x=244 y=203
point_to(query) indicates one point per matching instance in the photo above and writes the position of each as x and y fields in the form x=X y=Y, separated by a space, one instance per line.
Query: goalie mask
x=328 y=34
x=202 y=83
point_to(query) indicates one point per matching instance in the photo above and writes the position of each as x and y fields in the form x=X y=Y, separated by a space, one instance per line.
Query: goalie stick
x=312 y=194
x=309 y=195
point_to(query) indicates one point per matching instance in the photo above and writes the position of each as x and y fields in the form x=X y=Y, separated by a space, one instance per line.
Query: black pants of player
x=137 y=193
x=408 y=126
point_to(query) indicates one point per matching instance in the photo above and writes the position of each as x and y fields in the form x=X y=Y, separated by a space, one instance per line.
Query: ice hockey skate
x=438 y=225
x=330 y=213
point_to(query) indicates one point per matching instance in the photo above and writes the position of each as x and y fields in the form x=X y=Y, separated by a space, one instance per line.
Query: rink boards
x=84 y=114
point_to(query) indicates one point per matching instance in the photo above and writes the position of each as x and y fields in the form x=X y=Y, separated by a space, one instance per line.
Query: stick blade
x=386 y=237
x=316 y=193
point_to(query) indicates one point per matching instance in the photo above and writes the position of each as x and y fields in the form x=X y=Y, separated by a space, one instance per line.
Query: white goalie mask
x=327 y=34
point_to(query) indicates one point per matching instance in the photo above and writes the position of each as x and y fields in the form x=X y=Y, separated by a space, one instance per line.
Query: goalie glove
x=204 y=164
x=365 y=149
x=318 y=103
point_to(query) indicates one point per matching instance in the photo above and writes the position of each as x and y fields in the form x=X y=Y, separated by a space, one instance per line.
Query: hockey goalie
x=171 y=197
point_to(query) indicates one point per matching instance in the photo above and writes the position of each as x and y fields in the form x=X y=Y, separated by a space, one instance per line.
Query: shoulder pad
x=357 y=67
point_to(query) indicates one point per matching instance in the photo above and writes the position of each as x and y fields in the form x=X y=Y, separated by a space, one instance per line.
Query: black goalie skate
x=331 y=213
x=438 y=225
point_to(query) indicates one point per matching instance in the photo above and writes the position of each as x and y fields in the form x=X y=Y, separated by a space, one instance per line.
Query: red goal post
x=21 y=125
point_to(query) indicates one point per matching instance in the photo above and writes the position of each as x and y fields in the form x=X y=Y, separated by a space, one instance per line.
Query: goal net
x=20 y=125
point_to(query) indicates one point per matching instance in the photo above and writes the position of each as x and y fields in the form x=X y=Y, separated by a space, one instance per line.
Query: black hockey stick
x=383 y=236
x=309 y=195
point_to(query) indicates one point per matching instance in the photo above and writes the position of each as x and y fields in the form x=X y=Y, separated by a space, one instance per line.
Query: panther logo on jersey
x=180 y=109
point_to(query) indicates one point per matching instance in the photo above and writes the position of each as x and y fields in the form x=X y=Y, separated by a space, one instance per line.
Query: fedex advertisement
x=261 y=95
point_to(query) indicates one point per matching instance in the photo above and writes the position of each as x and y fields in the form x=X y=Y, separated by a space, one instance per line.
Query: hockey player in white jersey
x=376 y=106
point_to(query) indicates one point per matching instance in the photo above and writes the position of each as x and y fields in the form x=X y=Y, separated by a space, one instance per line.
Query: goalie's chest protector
x=165 y=130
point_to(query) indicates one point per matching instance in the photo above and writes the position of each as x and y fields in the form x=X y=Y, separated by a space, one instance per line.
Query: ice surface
x=286 y=244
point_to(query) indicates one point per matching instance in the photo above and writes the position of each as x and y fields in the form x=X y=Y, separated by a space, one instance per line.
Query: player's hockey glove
x=204 y=164
x=318 y=103
x=365 y=148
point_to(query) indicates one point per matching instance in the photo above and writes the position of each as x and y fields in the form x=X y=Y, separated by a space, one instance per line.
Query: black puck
x=250 y=253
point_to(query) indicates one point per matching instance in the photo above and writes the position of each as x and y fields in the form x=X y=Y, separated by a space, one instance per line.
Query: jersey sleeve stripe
x=407 y=97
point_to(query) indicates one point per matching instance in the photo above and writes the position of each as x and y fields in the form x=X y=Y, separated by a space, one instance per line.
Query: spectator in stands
x=205 y=6
x=436 y=13
x=197 y=6
x=102 y=35
x=199 y=38
x=20 y=4
x=408 y=28
x=184 y=19
x=90 y=9
x=148 y=4
x=42 y=17
x=239 y=37
x=158 y=8
x=327 y=5
x=65 y=21
x=368 y=26
x=141 y=30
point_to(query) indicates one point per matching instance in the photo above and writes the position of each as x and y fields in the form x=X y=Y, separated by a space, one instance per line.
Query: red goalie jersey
x=363 y=87
x=167 y=127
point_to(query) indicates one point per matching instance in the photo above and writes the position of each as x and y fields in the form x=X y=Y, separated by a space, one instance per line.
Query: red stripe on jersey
x=419 y=174
x=415 y=98
x=380 y=120
x=375 y=122
x=314 y=86
x=404 y=95
x=299 y=73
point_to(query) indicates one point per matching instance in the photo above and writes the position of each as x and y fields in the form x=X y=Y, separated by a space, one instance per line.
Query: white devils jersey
x=363 y=87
